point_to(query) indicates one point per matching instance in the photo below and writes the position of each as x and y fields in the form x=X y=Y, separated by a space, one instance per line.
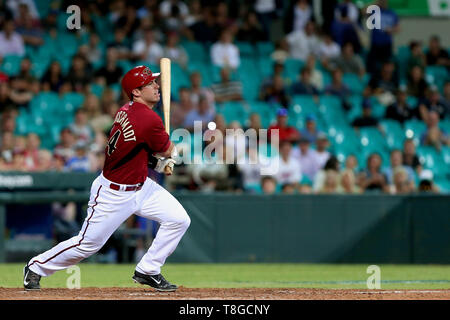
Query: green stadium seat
x=344 y=139
x=304 y=104
x=45 y=103
x=371 y=138
x=96 y=89
x=354 y=82
x=445 y=125
x=443 y=185
x=246 y=49
x=436 y=75
x=11 y=65
x=330 y=108
x=414 y=129
x=433 y=160
x=70 y=102
x=446 y=154
x=264 y=49
x=395 y=135
x=265 y=66
x=292 y=68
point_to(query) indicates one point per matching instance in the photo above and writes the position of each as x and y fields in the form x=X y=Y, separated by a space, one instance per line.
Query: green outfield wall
x=284 y=228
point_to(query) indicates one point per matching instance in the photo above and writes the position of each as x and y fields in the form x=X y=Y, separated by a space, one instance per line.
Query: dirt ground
x=221 y=294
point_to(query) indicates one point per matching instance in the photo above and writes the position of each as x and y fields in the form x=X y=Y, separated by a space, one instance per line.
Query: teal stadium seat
x=306 y=104
x=266 y=112
x=233 y=111
x=196 y=51
x=353 y=82
x=265 y=66
x=395 y=135
x=330 y=108
x=414 y=129
x=436 y=75
x=11 y=65
x=203 y=68
x=70 y=102
x=250 y=78
x=292 y=69
x=264 y=49
x=372 y=140
x=246 y=49
x=433 y=160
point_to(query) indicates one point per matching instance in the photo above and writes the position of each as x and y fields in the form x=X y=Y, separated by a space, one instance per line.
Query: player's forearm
x=168 y=152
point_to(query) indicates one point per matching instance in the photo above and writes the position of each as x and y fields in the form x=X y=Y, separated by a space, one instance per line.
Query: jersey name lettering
x=127 y=128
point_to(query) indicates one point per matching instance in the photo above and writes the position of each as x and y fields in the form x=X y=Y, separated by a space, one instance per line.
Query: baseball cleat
x=155 y=281
x=31 y=279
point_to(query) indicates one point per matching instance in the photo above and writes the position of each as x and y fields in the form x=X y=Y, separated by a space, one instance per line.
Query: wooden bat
x=165 y=91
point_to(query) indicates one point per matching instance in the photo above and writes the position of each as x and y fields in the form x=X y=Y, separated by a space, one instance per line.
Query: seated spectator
x=120 y=43
x=437 y=55
x=181 y=108
x=65 y=148
x=147 y=49
x=31 y=152
x=322 y=145
x=303 y=85
x=303 y=43
x=281 y=52
x=224 y=53
x=79 y=162
x=417 y=86
x=316 y=78
x=410 y=157
x=278 y=70
x=111 y=72
x=81 y=128
x=97 y=120
x=268 y=185
x=289 y=171
x=401 y=183
x=331 y=182
x=251 y=167
x=328 y=49
x=28 y=27
x=337 y=86
x=348 y=61
x=433 y=102
x=197 y=90
x=434 y=136
x=347 y=182
x=384 y=82
x=351 y=163
x=396 y=159
x=227 y=90
x=7 y=147
x=308 y=158
x=288 y=188
x=202 y=113
x=174 y=51
x=251 y=30
x=6 y=103
x=310 y=131
x=332 y=164
x=304 y=188
x=11 y=43
x=275 y=93
x=21 y=91
x=416 y=57
x=426 y=184
x=400 y=110
x=206 y=29
x=372 y=179
x=366 y=119
x=285 y=132
x=45 y=161
x=79 y=74
x=92 y=51
x=53 y=78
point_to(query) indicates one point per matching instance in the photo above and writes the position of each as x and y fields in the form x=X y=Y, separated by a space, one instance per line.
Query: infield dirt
x=221 y=294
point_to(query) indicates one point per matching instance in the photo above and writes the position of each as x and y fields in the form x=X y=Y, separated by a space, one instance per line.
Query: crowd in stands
x=330 y=46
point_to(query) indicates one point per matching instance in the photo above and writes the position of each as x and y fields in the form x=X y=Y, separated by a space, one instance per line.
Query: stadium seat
x=265 y=49
x=436 y=75
x=11 y=65
x=45 y=103
x=246 y=49
x=266 y=112
x=233 y=111
x=354 y=82
x=70 y=102
x=203 y=68
x=96 y=89
x=433 y=160
x=292 y=68
x=395 y=135
x=265 y=66
x=196 y=51
x=330 y=108
x=304 y=104
x=414 y=129
x=371 y=138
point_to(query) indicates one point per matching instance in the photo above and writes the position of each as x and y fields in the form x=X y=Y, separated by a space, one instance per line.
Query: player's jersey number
x=113 y=142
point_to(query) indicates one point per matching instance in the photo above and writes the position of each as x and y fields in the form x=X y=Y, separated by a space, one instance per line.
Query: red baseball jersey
x=137 y=132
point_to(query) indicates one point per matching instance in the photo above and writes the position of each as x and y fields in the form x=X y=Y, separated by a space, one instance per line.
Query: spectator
x=181 y=108
x=111 y=72
x=277 y=70
x=7 y=147
x=434 y=136
x=227 y=90
x=401 y=183
x=338 y=88
x=316 y=78
x=255 y=123
x=417 y=86
x=97 y=120
x=426 y=183
x=31 y=153
x=410 y=157
x=194 y=14
x=416 y=57
x=81 y=128
x=250 y=168
x=328 y=49
x=332 y=164
x=385 y=82
x=28 y=27
x=6 y=103
x=348 y=61
x=310 y=131
x=396 y=159
x=322 y=145
x=268 y=185
x=351 y=163
x=92 y=51
x=298 y=16
x=121 y=44
x=351 y=10
x=303 y=85
x=11 y=43
x=251 y=30
x=45 y=161
x=344 y=30
x=288 y=188
x=15 y=7
x=308 y=158
x=331 y=182
x=372 y=179
x=437 y=55
x=285 y=132
x=302 y=43
x=433 y=103
x=446 y=98
x=22 y=91
x=65 y=148
x=381 y=39
x=224 y=53
x=80 y=162
x=202 y=113
x=281 y=52
x=347 y=182
x=275 y=93
x=174 y=51
x=266 y=11
x=205 y=30
x=289 y=168
x=197 y=90
x=53 y=78
x=166 y=8
x=400 y=110
x=147 y=49
x=366 y=119
x=79 y=74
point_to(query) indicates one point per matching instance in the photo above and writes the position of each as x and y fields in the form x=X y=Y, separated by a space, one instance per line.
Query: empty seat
x=11 y=65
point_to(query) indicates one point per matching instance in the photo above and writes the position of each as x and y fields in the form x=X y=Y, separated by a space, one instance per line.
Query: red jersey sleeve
x=156 y=136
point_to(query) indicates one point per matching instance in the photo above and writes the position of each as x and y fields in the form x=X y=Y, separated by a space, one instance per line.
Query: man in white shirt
x=308 y=158
x=303 y=43
x=148 y=49
x=289 y=171
x=321 y=147
x=224 y=53
x=11 y=43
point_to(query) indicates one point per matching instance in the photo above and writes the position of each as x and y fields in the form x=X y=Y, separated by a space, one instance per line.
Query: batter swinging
x=137 y=140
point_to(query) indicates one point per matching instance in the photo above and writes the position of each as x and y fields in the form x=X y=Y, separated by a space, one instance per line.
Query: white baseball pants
x=107 y=210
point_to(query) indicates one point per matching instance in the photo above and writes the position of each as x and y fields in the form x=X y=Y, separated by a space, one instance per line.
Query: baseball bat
x=165 y=91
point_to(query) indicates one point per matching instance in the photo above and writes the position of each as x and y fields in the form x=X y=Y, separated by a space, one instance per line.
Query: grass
x=335 y=276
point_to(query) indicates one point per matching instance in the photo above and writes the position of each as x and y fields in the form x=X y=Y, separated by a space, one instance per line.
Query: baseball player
x=137 y=141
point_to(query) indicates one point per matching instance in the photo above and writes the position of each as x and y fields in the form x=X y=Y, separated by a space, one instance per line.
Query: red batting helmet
x=137 y=77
